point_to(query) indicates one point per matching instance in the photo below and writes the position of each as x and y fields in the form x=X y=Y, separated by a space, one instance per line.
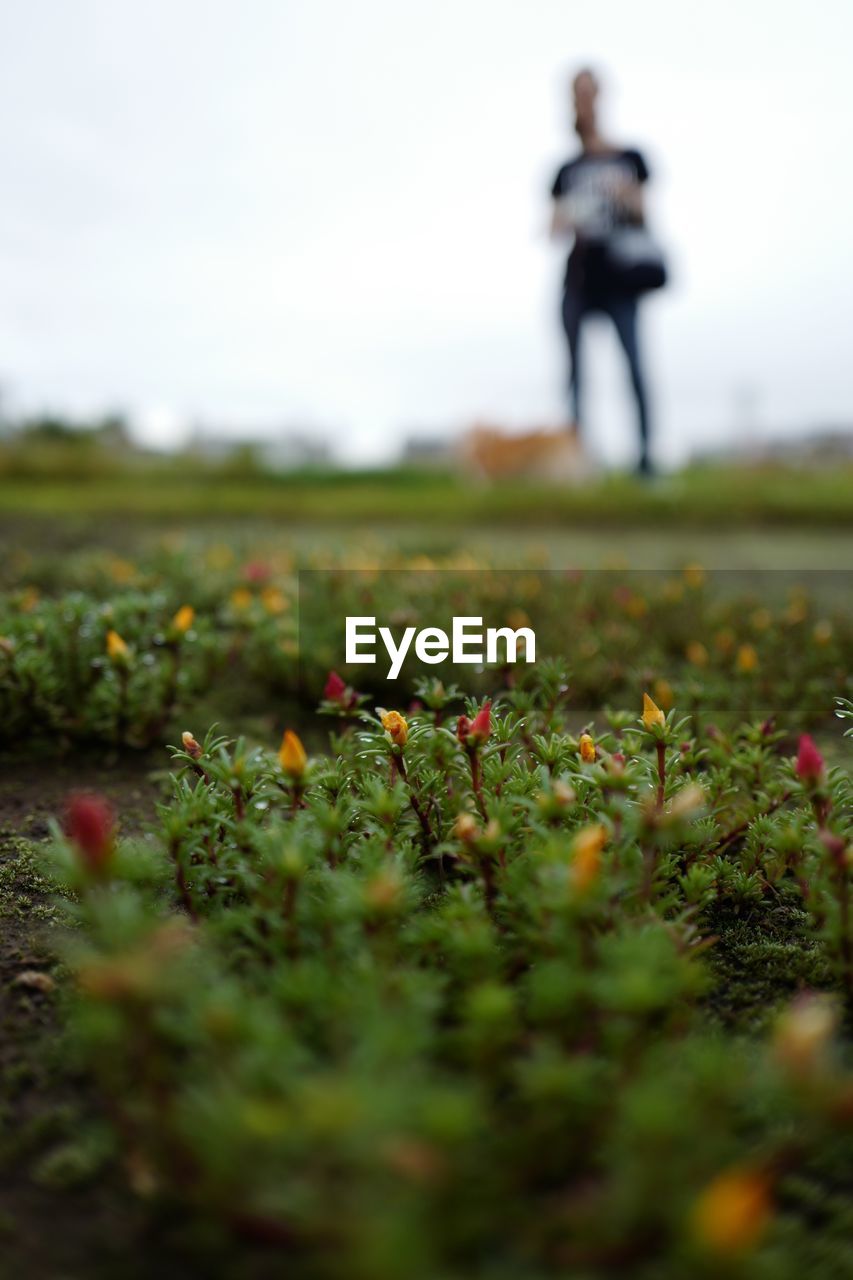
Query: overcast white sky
x=266 y=212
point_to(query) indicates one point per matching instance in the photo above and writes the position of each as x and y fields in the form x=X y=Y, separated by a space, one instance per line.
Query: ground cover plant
x=526 y=972
x=439 y=1002
x=135 y=644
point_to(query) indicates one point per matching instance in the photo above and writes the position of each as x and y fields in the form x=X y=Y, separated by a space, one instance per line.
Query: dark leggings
x=623 y=312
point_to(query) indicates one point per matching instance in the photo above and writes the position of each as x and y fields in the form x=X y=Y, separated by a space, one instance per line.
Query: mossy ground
x=63 y=1209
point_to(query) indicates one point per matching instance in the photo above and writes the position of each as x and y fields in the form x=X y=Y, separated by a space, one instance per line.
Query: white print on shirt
x=593 y=196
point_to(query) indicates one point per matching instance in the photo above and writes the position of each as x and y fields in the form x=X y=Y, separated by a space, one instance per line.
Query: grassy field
x=599 y=951
x=700 y=497
x=746 y=518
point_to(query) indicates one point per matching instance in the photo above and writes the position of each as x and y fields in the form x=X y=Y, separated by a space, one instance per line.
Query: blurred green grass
x=703 y=497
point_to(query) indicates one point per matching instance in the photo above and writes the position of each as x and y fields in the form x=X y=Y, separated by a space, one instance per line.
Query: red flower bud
x=473 y=733
x=335 y=688
x=481 y=726
x=90 y=824
x=257 y=571
x=337 y=691
x=810 y=763
x=463 y=728
x=835 y=846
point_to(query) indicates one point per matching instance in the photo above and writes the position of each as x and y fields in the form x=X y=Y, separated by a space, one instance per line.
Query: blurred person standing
x=598 y=199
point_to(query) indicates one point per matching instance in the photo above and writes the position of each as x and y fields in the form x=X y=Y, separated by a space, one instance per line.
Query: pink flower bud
x=335 y=688
x=481 y=725
x=257 y=571
x=473 y=733
x=810 y=763
x=90 y=824
x=835 y=846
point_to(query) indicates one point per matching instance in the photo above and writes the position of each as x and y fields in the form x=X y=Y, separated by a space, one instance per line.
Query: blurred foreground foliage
x=453 y=998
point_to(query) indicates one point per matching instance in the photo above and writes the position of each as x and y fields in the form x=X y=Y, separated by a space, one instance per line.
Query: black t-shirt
x=590 y=185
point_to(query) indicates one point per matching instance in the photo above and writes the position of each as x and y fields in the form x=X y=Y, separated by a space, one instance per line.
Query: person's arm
x=631 y=194
x=561 y=223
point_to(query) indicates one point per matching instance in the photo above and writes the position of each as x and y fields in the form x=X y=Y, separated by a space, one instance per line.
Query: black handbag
x=635 y=260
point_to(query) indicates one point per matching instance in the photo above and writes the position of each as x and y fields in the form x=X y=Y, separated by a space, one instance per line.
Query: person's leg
x=572 y=314
x=623 y=312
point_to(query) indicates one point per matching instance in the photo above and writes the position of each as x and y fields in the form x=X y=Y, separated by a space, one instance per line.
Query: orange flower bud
x=694 y=575
x=747 y=659
x=733 y=1211
x=183 y=619
x=190 y=745
x=292 y=755
x=586 y=855
x=586 y=749
x=396 y=727
x=117 y=650
x=803 y=1033
x=241 y=598
x=822 y=632
x=465 y=827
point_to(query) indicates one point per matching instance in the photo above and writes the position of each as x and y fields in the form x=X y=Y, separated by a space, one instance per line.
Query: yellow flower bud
x=586 y=748
x=292 y=755
x=116 y=647
x=384 y=893
x=747 y=659
x=273 y=600
x=725 y=640
x=183 y=619
x=733 y=1211
x=190 y=745
x=803 y=1033
x=396 y=727
x=822 y=632
x=586 y=855
x=241 y=598
x=697 y=654
x=563 y=793
x=688 y=800
x=465 y=827
x=653 y=717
